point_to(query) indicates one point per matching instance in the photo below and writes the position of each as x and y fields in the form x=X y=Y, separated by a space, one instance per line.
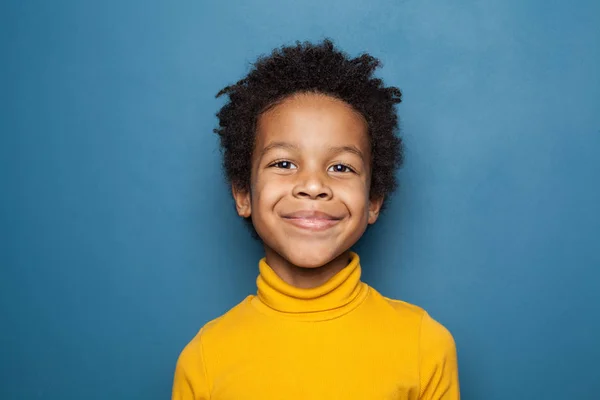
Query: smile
x=311 y=220
x=312 y=223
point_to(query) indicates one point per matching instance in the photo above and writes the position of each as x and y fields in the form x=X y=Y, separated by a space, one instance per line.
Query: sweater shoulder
x=231 y=327
x=401 y=308
x=431 y=331
x=431 y=334
x=226 y=321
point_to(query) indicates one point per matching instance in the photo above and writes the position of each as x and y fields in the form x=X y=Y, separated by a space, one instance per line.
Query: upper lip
x=310 y=214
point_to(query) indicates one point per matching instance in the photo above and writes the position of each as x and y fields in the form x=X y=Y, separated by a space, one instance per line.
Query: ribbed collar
x=338 y=296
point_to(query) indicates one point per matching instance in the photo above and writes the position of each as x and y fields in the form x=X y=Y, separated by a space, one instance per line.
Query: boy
x=310 y=149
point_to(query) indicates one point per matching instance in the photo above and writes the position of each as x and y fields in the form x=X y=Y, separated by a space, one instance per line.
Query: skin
x=309 y=194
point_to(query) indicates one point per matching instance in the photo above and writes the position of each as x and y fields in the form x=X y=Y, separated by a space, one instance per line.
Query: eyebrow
x=347 y=149
x=332 y=149
x=278 y=145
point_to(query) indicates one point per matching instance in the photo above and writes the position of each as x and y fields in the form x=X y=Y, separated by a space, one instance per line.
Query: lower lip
x=313 y=224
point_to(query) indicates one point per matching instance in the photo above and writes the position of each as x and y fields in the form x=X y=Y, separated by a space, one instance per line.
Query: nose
x=312 y=185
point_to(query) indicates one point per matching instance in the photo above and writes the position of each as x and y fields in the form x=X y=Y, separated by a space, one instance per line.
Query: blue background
x=118 y=238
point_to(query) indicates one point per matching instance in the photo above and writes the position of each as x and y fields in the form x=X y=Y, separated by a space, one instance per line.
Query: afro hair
x=311 y=68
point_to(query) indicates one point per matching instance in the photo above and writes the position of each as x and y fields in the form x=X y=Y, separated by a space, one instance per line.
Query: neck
x=302 y=277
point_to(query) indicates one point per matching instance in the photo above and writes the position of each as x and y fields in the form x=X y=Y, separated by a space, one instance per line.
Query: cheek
x=355 y=196
x=267 y=192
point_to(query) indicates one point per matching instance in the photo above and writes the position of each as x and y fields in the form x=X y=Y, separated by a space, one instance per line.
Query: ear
x=374 y=208
x=243 y=204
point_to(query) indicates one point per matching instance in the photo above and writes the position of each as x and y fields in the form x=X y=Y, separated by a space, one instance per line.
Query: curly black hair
x=311 y=68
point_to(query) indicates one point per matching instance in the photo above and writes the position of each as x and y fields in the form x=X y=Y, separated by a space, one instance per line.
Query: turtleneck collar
x=339 y=295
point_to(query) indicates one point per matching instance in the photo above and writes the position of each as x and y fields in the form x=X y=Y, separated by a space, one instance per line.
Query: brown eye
x=284 y=165
x=340 y=168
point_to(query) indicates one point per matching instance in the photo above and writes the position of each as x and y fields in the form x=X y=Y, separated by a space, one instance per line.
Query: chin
x=311 y=257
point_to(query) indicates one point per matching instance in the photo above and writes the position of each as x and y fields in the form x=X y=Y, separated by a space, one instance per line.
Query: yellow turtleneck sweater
x=341 y=340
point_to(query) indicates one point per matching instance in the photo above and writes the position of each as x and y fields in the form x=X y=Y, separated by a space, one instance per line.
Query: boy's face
x=310 y=180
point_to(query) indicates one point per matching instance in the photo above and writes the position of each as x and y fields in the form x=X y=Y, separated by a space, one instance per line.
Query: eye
x=284 y=164
x=340 y=168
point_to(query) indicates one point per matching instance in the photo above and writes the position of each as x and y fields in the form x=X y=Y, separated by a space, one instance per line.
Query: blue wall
x=118 y=239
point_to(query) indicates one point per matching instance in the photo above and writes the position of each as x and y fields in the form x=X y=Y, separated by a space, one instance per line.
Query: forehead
x=311 y=118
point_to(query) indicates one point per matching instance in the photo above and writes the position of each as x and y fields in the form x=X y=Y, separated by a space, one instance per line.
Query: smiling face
x=309 y=198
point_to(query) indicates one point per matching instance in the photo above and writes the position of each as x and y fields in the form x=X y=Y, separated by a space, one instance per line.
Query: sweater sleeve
x=438 y=363
x=191 y=380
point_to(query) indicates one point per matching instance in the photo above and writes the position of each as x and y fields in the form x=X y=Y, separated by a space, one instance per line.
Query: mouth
x=312 y=220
